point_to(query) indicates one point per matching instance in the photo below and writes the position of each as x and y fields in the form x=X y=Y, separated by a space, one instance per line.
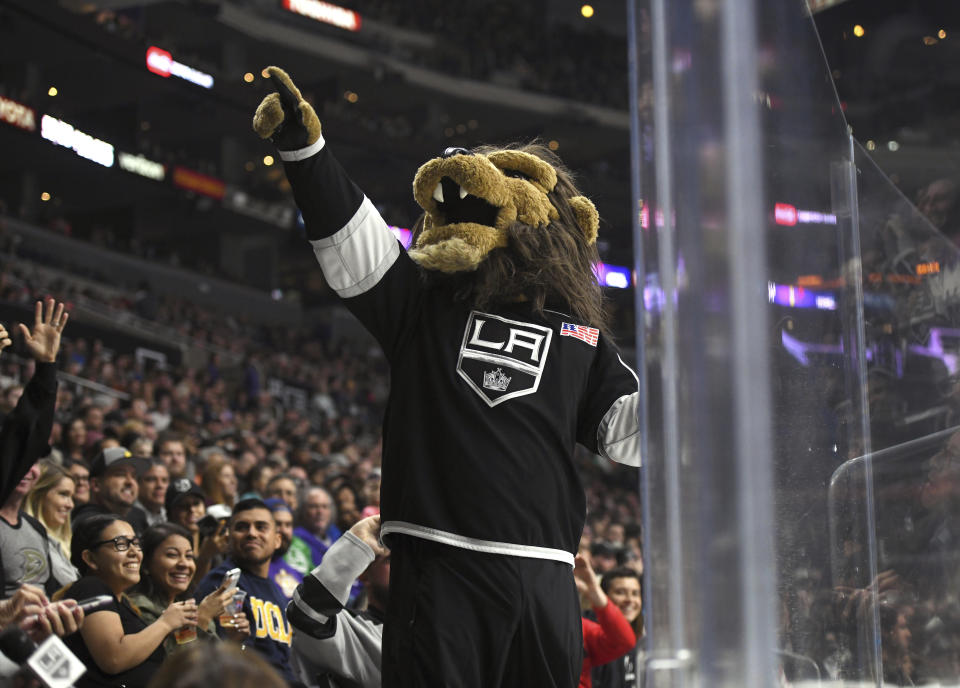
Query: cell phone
x=231 y=578
x=93 y=604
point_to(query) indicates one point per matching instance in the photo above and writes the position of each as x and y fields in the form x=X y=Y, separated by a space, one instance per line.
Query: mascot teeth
x=463 y=193
x=438 y=193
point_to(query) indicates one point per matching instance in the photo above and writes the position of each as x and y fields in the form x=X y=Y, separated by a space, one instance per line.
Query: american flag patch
x=581 y=332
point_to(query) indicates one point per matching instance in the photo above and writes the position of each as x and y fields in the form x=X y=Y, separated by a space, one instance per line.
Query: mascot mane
x=549 y=264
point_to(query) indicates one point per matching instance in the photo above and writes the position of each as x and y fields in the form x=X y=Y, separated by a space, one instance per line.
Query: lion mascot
x=493 y=327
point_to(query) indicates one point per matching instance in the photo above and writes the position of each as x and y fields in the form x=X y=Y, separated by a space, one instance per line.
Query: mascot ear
x=587 y=217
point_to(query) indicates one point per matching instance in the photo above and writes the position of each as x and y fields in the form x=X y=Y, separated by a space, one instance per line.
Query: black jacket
x=25 y=432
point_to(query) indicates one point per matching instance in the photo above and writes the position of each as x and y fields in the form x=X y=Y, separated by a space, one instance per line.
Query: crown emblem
x=496 y=380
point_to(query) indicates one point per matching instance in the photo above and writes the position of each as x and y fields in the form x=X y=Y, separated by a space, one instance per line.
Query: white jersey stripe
x=356 y=258
x=488 y=546
x=303 y=153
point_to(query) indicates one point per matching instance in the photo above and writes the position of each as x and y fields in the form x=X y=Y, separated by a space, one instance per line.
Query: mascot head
x=508 y=224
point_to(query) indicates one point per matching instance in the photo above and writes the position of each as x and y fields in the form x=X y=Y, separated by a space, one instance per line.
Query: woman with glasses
x=116 y=644
x=50 y=501
x=167 y=574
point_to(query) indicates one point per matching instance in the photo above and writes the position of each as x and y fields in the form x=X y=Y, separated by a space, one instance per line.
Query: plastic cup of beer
x=184 y=635
x=228 y=619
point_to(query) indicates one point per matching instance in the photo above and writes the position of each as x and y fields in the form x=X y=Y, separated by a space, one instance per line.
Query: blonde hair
x=210 y=479
x=50 y=476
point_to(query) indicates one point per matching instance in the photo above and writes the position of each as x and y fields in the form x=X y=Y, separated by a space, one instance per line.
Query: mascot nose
x=450 y=152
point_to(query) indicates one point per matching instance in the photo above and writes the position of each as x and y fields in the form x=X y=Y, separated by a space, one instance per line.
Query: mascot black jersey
x=486 y=406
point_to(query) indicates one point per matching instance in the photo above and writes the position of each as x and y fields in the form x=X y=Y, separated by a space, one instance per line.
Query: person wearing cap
x=285 y=576
x=186 y=506
x=114 y=487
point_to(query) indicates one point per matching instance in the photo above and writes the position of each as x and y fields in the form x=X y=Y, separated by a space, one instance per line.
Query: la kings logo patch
x=502 y=359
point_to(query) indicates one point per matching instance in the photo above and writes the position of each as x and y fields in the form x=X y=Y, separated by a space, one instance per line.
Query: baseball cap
x=117 y=456
x=180 y=488
x=276 y=504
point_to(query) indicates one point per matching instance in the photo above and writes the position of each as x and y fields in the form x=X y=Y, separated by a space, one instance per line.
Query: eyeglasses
x=121 y=543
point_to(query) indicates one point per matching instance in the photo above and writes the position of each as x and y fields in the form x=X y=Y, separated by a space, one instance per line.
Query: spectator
x=80 y=472
x=371 y=494
x=9 y=398
x=257 y=480
x=348 y=506
x=142 y=447
x=50 y=501
x=25 y=548
x=285 y=576
x=253 y=540
x=610 y=637
x=186 y=505
x=171 y=450
x=74 y=440
x=329 y=640
x=113 y=487
x=284 y=487
x=166 y=575
x=117 y=646
x=218 y=666
x=315 y=531
x=220 y=481
x=30 y=609
x=624 y=587
x=604 y=556
x=152 y=489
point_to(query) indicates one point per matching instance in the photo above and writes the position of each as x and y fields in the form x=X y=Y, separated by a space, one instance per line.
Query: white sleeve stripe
x=307 y=609
x=618 y=435
x=356 y=258
x=303 y=153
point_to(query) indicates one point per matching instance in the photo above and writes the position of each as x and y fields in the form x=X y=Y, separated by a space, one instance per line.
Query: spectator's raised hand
x=180 y=614
x=588 y=583
x=59 y=618
x=48 y=324
x=239 y=628
x=26 y=601
x=213 y=605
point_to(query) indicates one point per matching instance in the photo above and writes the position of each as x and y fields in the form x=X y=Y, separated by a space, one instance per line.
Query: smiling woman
x=118 y=646
x=166 y=576
x=50 y=501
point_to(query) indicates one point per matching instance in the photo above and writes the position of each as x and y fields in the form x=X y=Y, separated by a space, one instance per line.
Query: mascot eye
x=516 y=174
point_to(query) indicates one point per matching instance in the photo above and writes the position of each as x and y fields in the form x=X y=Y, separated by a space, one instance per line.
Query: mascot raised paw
x=500 y=363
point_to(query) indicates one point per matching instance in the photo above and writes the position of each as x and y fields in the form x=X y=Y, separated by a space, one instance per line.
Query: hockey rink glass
x=799 y=322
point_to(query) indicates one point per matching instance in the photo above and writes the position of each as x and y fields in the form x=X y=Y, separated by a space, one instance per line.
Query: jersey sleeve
x=361 y=259
x=609 y=422
x=327 y=639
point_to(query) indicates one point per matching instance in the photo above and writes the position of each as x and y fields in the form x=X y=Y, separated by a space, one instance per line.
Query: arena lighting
x=613 y=276
x=185 y=178
x=798 y=297
x=325 y=12
x=161 y=62
x=787 y=215
x=86 y=146
x=404 y=236
x=17 y=114
x=137 y=164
